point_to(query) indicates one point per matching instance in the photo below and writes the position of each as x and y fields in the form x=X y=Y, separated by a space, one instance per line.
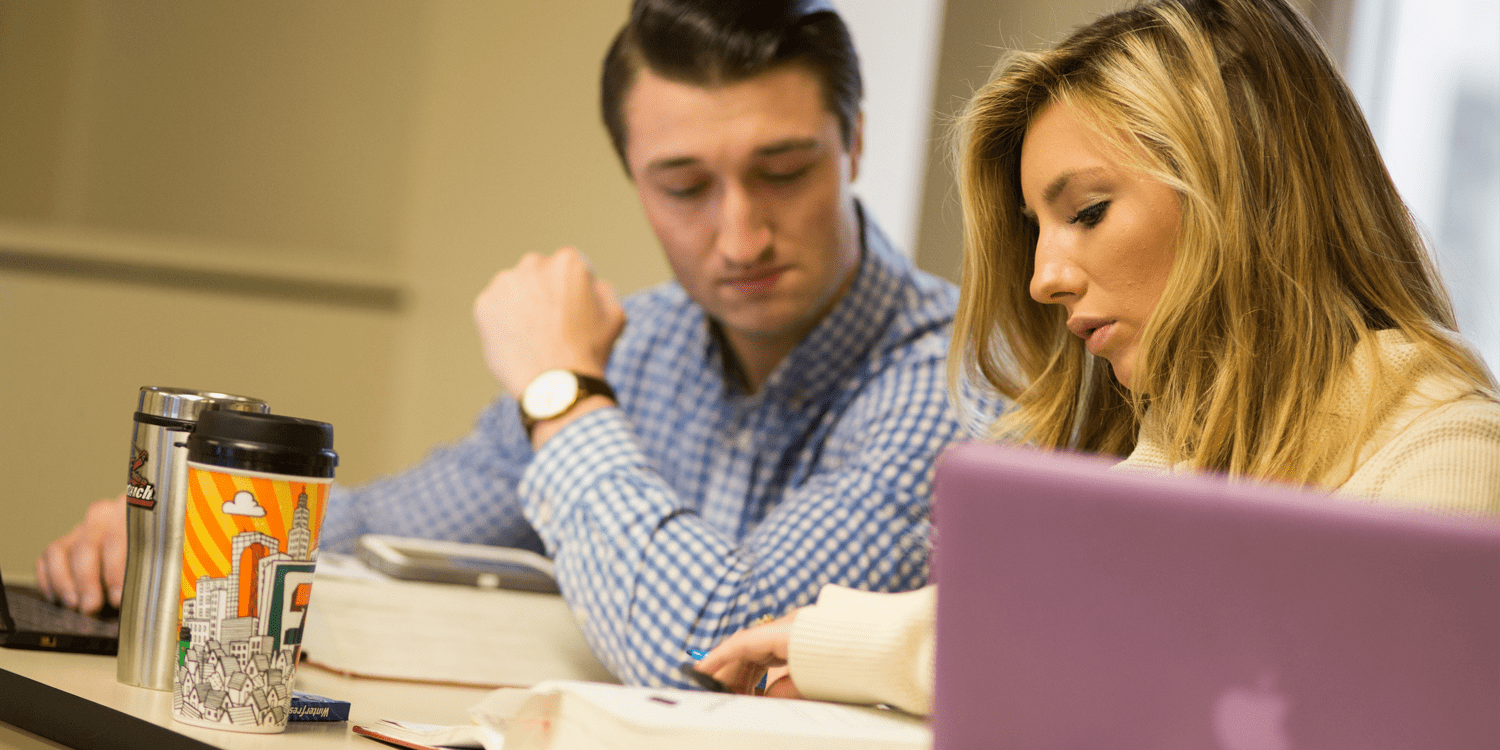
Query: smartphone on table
x=478 y=565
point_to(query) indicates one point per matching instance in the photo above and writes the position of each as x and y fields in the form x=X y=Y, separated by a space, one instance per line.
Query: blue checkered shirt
x=694 y=509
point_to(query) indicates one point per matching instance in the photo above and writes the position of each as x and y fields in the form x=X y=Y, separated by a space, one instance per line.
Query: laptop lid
x=28 y=620
x=1080 y=607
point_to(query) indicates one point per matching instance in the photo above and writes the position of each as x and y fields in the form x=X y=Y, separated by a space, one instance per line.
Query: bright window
x=1427 y=73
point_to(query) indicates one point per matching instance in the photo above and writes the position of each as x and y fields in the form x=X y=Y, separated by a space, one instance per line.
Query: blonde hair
x=1293 y=244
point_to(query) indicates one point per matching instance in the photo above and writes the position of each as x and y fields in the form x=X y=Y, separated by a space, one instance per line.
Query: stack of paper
x=374 y=626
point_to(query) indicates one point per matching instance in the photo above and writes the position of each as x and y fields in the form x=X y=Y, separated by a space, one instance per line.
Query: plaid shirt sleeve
x=649 y=578
x=464 y=492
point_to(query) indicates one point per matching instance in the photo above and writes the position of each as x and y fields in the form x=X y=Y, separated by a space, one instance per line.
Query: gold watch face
x=550 y=394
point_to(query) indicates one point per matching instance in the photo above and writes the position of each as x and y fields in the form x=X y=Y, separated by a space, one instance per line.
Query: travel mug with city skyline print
x=257 y=488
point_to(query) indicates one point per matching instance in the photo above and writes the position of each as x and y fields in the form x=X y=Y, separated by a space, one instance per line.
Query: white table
x=78 y=696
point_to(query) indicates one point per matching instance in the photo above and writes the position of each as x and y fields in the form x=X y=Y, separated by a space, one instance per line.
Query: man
x=762 y=426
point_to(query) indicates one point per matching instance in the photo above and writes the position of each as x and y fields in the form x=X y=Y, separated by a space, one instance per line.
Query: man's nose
x=1055 y=277
x=744 y=228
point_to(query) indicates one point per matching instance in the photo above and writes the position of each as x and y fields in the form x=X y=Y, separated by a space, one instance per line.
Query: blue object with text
x=309 y=707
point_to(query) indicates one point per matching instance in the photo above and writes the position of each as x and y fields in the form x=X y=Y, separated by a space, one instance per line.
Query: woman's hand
x=743 y=658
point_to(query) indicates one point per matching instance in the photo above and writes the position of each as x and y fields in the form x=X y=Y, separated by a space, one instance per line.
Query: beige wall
x=414 y=147
x=511 y=159
x=75 y=353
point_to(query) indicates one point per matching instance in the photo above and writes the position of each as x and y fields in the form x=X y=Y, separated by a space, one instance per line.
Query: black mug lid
x=272 y=443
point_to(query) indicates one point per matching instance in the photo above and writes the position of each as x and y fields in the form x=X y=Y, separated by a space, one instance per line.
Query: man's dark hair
x=715 y=42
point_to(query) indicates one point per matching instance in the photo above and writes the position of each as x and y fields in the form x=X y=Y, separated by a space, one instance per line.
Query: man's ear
x=856 y=144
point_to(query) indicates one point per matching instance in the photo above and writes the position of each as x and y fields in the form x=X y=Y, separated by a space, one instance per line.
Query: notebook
x=1081 y=607
x=28 y=620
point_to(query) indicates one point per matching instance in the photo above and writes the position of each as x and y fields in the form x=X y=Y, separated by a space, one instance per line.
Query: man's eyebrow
x=671 y=162
x=790 y=144
x=770 y=149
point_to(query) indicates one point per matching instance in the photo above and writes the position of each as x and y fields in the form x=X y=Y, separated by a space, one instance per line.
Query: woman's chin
x=1122 y=373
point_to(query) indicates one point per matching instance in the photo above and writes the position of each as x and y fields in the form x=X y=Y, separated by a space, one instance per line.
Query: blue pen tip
x=696 y=654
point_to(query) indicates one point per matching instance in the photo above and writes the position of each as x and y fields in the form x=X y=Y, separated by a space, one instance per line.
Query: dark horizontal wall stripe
x=285 y=288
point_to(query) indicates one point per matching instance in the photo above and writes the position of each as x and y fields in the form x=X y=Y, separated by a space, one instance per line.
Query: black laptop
x=29 y=620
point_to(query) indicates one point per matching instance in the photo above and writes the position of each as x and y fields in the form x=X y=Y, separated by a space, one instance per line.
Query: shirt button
x=746 y=441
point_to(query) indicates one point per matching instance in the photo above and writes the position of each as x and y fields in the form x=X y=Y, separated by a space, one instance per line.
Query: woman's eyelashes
x=1090 y=216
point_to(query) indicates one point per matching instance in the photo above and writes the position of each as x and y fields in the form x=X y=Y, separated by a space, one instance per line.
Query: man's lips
x=758 y=282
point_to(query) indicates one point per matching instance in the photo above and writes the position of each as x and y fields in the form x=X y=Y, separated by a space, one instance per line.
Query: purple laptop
x=1086 y=608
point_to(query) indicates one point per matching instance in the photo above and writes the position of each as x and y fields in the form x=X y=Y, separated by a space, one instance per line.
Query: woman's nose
x=1055 y=277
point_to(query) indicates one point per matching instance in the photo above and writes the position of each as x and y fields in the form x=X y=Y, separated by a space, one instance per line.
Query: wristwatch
x=552 y=393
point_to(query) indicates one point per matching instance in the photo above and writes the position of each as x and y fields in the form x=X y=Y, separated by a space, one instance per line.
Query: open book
x=571 y=715
x=365 y=624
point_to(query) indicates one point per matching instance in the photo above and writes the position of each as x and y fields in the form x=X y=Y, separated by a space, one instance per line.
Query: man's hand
x=743 y=658
x=79 y=566
x=547 y=312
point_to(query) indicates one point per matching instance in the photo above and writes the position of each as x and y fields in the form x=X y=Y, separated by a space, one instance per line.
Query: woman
x=1183 y=250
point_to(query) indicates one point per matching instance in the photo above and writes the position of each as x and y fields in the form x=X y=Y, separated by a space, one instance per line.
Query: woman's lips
x=1098 y=337
x=1095 y=332
x=755 y=284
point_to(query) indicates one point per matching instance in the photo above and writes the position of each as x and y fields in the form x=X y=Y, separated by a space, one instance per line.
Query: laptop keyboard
x=32 y=612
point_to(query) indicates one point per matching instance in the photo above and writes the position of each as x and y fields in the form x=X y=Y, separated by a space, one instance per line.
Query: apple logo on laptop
x=1252 y=718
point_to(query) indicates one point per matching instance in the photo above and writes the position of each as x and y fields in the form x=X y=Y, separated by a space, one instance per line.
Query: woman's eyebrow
x=1056 y=187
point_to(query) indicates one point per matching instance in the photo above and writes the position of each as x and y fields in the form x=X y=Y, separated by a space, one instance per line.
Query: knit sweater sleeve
x=866 y=647
x=1448 y=460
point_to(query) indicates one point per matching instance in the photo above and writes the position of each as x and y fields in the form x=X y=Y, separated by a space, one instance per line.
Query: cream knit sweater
x=1438 y=448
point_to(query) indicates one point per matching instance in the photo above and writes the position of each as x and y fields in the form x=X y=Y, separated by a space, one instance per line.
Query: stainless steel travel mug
x=155 y=508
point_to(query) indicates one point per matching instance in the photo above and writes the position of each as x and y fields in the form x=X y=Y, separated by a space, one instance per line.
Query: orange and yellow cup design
x=250 y=541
